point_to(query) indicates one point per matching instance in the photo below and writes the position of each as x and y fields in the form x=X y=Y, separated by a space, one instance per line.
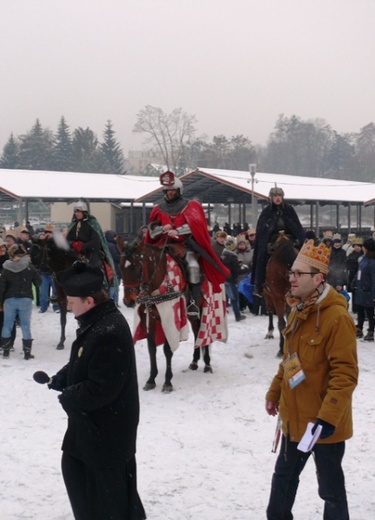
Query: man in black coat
x=100 y=396
x=277 y=217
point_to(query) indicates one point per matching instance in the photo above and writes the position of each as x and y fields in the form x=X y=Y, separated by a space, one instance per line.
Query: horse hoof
x=167 y=389
x=149 y=386
x=269 y=335
x=193 y=365
x=280 y=354
x=60 y=347
x=207 y=369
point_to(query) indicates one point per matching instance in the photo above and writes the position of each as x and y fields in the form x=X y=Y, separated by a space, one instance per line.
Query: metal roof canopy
x=228 y=186
x=50 y=186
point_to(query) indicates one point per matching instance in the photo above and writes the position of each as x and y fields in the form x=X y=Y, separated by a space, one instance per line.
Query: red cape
x=193 y=215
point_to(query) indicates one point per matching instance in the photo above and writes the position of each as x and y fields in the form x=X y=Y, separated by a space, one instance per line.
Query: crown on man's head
x=315 y=256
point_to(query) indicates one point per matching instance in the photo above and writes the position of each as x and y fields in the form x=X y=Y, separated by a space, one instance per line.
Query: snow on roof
x=297 y=187
x=51 y=185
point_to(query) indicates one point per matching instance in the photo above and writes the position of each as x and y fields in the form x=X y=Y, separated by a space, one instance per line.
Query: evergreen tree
x=9 y=158
x=86 y=152
x=63 y=151
x=36 y=149
x=111 y=151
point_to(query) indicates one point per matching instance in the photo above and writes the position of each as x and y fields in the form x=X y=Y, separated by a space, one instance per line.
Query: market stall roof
x=51 y=186
x=224 y=186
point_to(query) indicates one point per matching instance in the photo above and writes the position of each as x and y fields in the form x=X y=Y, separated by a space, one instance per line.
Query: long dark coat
x=365 y=283
x=265 y=230
x=100 y=390
x=337 y=274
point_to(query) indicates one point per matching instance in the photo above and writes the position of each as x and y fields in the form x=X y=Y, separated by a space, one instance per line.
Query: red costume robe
x=193 y=215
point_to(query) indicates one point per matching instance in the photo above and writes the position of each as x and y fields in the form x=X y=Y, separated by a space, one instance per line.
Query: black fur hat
x=81 y=280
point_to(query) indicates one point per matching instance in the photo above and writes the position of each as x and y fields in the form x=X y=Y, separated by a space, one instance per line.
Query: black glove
x=57 y=382
x=327 y=428
x=67 y=400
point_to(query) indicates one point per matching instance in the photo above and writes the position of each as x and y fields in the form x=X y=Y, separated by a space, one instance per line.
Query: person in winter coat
x=99 y=393
x=245 y=259
x=16 y=297
x=337 y=274
x=47 y=290
x=314 y=383
x=230 y=260
x=365 y=290
x=110 y=237
x=277 y=217
x=3 y=258
x=352 y=262
x=218 y=242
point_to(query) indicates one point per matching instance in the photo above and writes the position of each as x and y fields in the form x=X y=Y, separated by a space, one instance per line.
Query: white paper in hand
x=309 y=439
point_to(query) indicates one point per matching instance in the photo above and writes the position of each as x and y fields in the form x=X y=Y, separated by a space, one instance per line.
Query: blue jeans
x=47 y=286
x=12 y=307
x=232 y=293
x=331 y=482
x=113 y=294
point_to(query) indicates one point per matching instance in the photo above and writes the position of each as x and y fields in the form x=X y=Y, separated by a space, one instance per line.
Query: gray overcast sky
x=235 y=64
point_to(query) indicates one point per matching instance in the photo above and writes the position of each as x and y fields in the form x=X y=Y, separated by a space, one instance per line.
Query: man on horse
x=179 y=220
x=86 y=238
x=278 y=217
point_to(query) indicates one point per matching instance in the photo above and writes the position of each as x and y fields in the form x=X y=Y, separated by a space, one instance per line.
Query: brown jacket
x=324 y=337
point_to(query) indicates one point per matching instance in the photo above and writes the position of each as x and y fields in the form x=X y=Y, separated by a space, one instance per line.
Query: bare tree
x=168 y=134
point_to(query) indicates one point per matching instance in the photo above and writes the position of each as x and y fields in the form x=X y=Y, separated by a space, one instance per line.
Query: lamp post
x=253 y=169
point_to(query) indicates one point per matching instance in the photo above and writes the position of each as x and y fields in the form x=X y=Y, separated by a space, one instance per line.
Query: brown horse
x=58 y=259
x=143 y=267
x=277 y=285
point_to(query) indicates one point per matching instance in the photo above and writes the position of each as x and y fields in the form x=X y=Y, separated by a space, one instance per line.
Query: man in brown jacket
x=314 y=383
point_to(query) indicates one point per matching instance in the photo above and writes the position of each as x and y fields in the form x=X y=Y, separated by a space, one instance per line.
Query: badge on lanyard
x=293 y=370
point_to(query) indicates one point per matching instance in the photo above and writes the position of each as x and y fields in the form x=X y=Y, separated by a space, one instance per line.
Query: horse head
x=131 y=271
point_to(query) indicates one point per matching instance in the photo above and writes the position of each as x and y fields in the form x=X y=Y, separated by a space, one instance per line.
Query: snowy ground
x=204 y=451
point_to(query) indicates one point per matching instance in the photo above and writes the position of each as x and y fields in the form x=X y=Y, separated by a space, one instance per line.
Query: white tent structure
x=211 y=186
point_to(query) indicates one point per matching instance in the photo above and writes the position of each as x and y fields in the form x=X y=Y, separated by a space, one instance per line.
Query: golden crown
x=315 y=256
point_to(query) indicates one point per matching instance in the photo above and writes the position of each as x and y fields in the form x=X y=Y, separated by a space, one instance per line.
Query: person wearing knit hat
x=230 y=260
x=11 y=237
x=218 y=242
x=312 y=390
x=337 y=264
x=99 y=393
x=365 y=290
x=16 y=297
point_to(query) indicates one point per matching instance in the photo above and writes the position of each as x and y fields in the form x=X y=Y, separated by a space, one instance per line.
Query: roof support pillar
x=349 y=218
x=338 y=217
x=317 y=230
x=19 y=211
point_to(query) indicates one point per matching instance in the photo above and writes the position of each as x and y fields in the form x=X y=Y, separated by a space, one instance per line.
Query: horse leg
x=269 y=334
x=168 y=387
x=281 y=326
x=63 y=313
x=196 y=357
x=150 y=383
x=207 y=359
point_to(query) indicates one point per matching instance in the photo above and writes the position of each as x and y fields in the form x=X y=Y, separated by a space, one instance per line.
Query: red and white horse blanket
x=174 y=325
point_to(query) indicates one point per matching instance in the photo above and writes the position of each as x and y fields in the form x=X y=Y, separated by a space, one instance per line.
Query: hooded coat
x=324 y=337
x=17 y=276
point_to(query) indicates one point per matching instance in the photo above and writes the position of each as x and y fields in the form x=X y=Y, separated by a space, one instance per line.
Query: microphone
x=42 y=378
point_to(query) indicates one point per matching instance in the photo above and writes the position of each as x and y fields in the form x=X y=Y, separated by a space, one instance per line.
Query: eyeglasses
x=251 y=234
x=298 y=274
